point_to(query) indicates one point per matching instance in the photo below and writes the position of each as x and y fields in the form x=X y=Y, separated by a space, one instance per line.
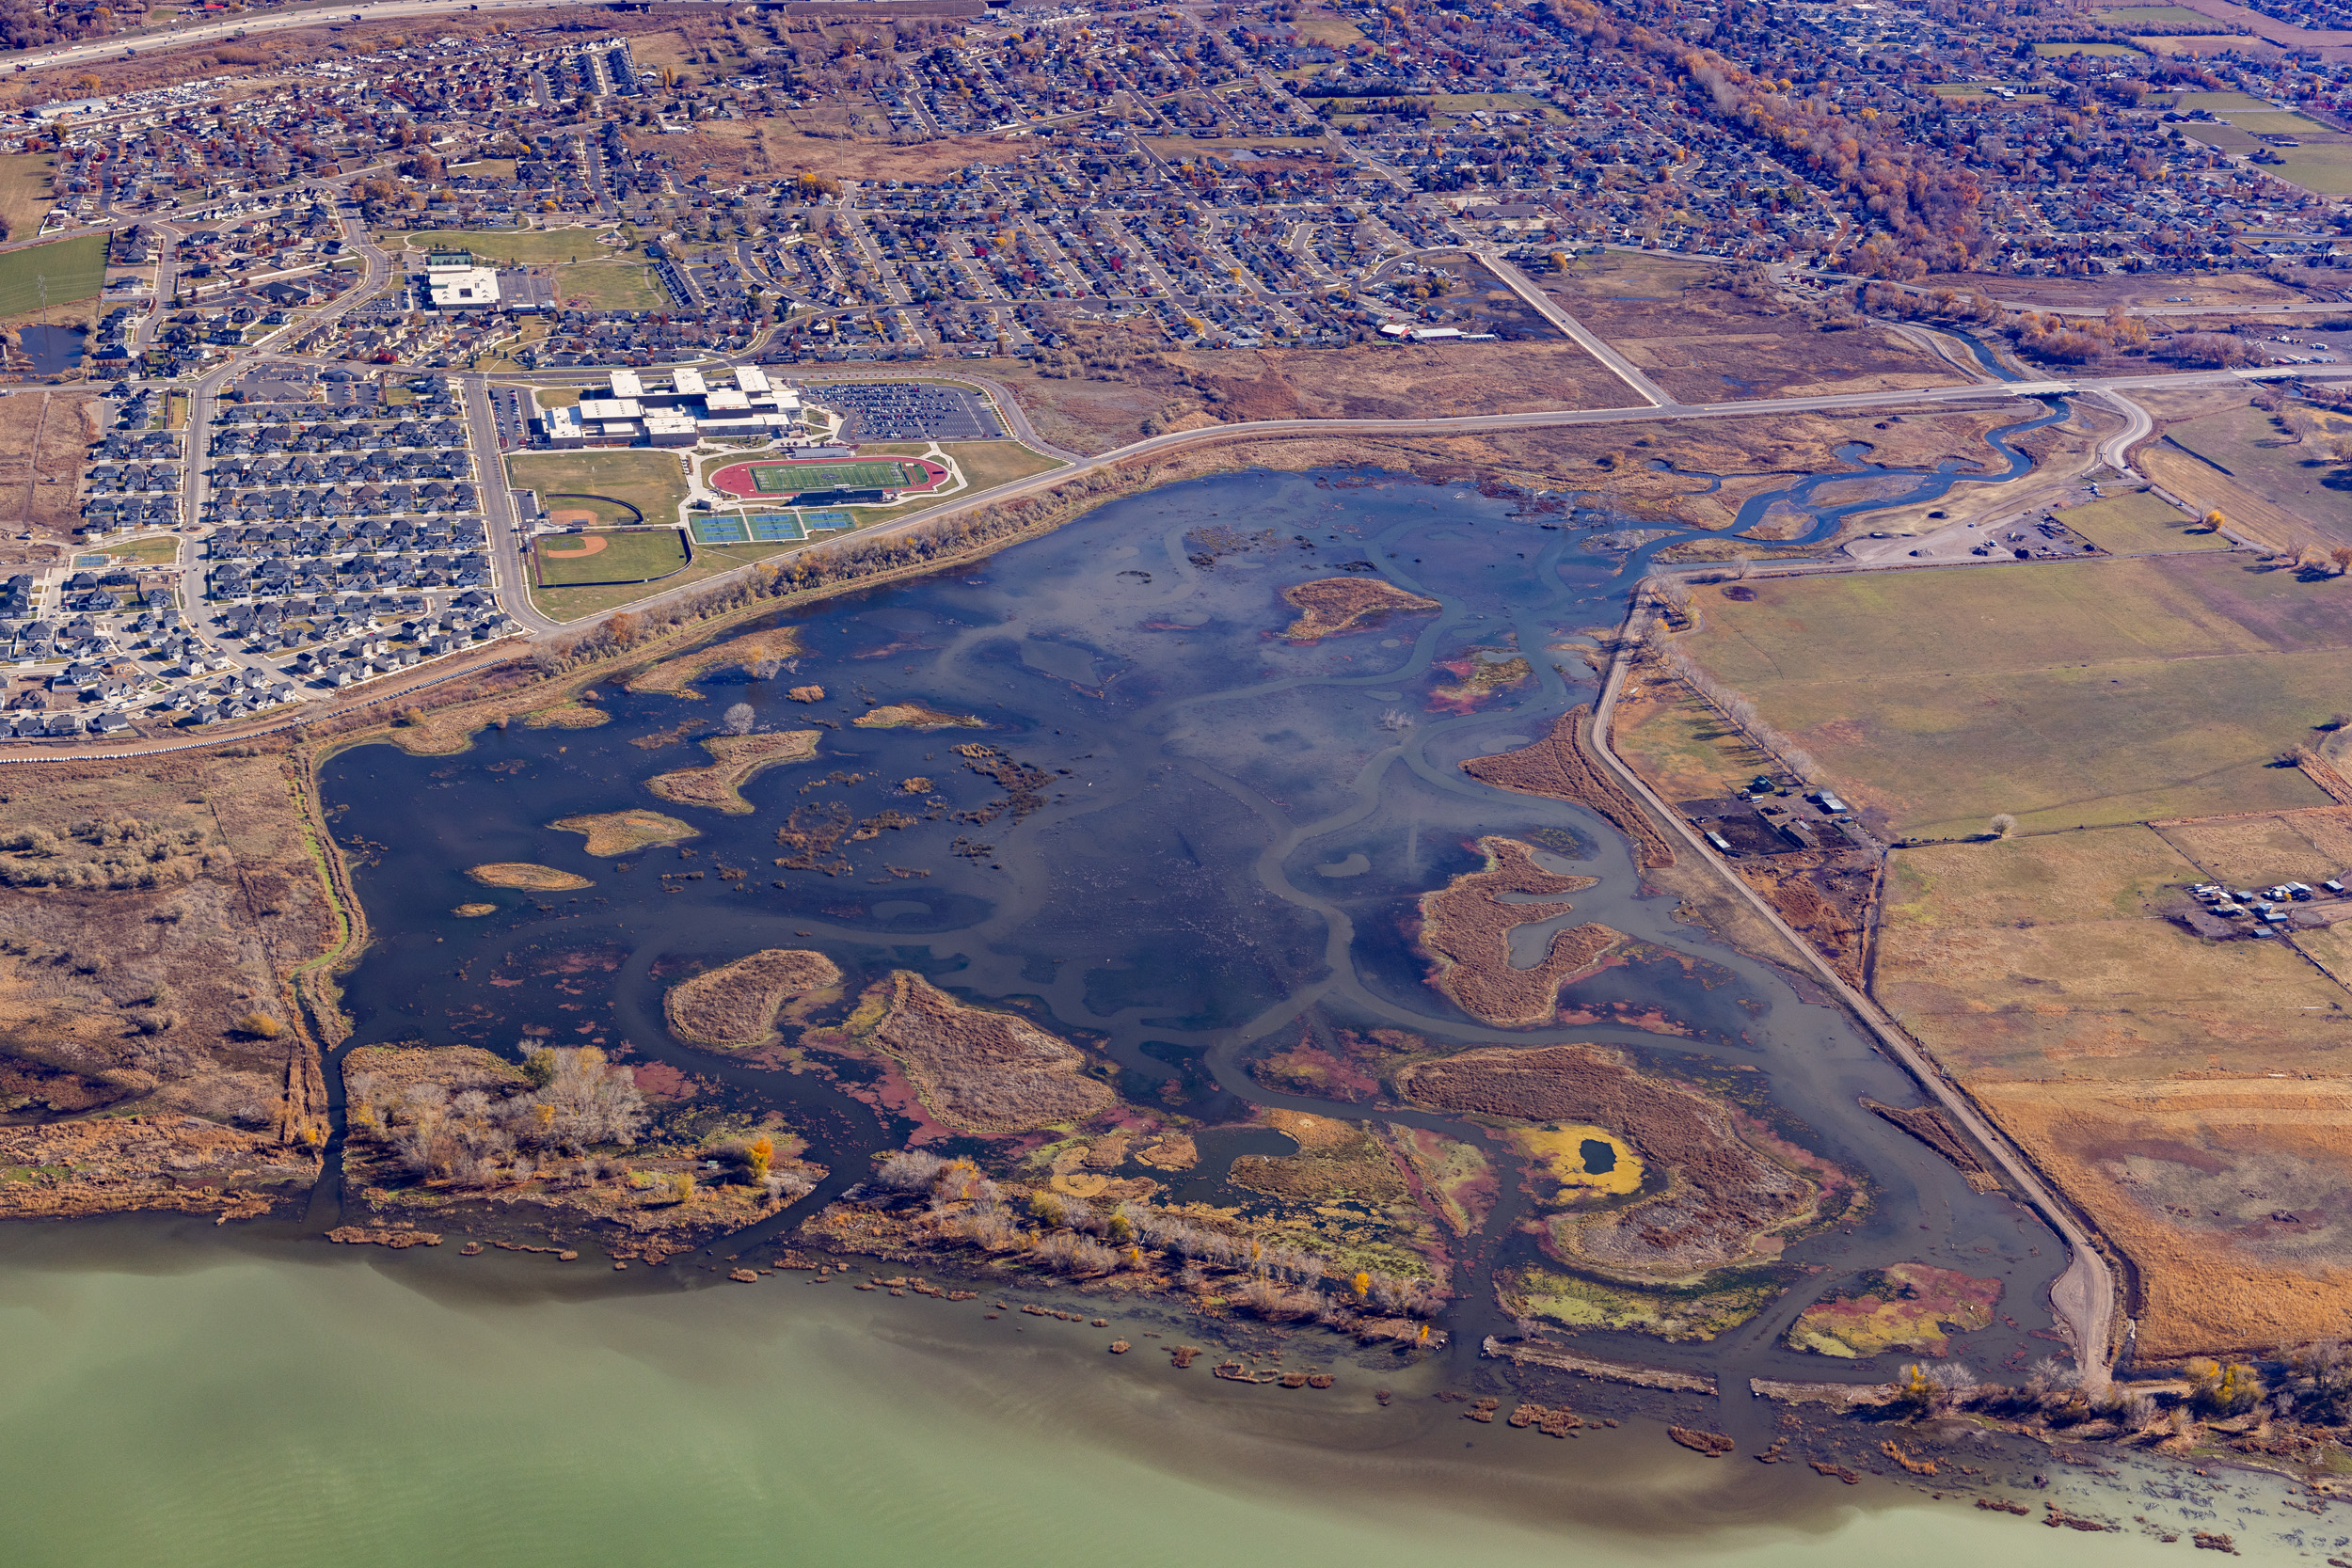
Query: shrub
x=260 y=1027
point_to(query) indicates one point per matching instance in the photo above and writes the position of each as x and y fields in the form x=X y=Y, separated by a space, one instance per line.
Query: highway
x=245 y=24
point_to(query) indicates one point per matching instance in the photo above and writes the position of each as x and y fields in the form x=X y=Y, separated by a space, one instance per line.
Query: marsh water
x=1226 y=858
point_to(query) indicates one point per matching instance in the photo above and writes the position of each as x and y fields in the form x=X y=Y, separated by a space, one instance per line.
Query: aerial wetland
x=1227 y=1053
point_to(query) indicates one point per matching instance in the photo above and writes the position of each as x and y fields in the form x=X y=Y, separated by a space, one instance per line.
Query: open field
x=610 y=286
x=769 y=148
x=2051 y=51
x=2091 y=692
x=514 y=246
x=2140 y=524
x=2188 y=1094
x=60 y=273
x=2153 y=16
x=43 y=436
x=985 y=464
x=2270 y=485
x=572 y=603
x=1384 y=381
x=25 y=191
x=1703 y=342
x=618 y=555
x=1685 y=748
x=160 y=549
x=2323 y=170
x=652 y=482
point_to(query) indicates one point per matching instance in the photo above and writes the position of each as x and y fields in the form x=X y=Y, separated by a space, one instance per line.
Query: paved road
x=507 y=566
x=1616 y=364
x=2115 y=451
x=2085 y=1295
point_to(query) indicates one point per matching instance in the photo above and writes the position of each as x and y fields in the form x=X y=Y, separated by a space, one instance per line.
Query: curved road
x=2085 y=1295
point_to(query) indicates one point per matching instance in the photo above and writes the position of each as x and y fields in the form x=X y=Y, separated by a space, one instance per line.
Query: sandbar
x=524 y=874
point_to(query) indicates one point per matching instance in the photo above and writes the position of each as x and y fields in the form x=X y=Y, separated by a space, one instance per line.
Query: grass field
x=2049 y=51
x=780 y=479
x=2091 y=693
x=518 y=247
x=2222 y=103
x=59 y=273
x=25 y=191
x=610 y=286
x=570 y=604
x=160 y=549
x=653 y=481
x=2155 y=16
x=2324 y=171
x=2278 y=122
x=618 y=555
x=2140 y=524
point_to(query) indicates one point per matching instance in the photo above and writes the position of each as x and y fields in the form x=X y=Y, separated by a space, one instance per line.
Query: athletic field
x=608 y=555
x=753 y=479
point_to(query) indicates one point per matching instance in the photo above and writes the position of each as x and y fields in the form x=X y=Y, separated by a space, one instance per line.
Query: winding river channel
x=1229 y=855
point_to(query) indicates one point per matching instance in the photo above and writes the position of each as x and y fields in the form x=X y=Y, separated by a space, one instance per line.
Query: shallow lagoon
x=1235 y=832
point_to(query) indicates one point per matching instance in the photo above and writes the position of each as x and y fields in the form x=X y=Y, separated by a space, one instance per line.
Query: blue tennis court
x=776 y=528
x=721 y=530
x=824 y=522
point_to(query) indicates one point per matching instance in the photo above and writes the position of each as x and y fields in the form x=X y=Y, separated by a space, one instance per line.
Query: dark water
x=1232 y=840
x=51 y=348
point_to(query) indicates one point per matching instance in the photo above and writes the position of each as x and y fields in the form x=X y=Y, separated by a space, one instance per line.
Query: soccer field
x=613 y=555
x=778 y=479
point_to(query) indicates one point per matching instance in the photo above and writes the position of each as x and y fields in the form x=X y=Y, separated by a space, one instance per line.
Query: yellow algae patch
x=913 y=716
x=622 y=833
x=1585 y=1159
x=522 y=874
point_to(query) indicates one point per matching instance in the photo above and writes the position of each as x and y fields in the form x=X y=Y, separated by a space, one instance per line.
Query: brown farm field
x=2083 y=693
x=2189 y=1095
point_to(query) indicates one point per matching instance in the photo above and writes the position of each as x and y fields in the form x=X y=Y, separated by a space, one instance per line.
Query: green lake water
x=217 y=1405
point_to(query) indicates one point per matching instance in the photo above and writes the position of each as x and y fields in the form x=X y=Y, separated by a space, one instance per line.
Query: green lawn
x=2322 y=170
x=780 y=479
x=513 y=247
x=619 y=555
x=2155 y=16
x=2139 y=524
x=2066 y=694
x=571 y=604
x=59 y=273
x=653 y=481
x=2057 y=51
x=158 y=550
x=610 y=286
x=2278 y=122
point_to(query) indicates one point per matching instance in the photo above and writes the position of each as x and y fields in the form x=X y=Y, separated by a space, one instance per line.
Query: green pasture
x=2139 y=524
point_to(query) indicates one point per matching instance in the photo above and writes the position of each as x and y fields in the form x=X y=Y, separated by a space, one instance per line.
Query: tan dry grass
x=2035 y=956
x=1465 y=927
x=1330 y=606
x=674 y=677
x=2150 y=1162
x=736 y=760
x=736 y=1004
x=978 y=1070
x=625 y=832
x=530 y=878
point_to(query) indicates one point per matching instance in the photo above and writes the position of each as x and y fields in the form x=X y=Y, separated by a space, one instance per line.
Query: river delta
x=1152 y=826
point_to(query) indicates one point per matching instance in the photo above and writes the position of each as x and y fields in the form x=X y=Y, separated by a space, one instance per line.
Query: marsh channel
x=1230 y=851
